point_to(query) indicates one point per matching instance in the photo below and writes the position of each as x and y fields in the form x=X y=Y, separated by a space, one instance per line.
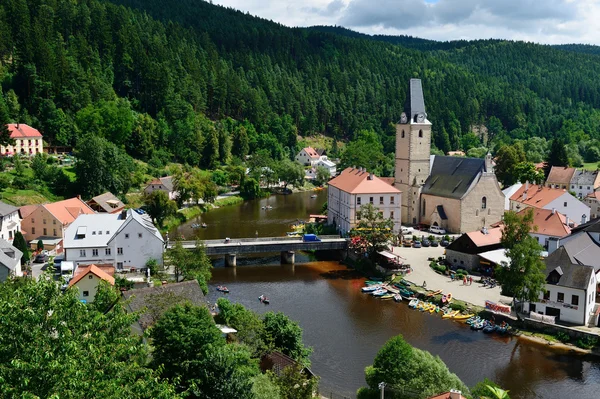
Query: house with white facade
x=163 y=184
x=548 y=224
x=10 y=261
x=86 y=280
x=10 y=221
x=584 y=182
x=327 y=164
x=540 y=197
x=570 y=290
x=308 y=156
x=356 y=187
x=27 y=140
x=126 y=240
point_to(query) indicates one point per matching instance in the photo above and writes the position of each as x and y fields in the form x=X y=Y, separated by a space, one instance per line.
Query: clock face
x=420 y=117
x=403 y=118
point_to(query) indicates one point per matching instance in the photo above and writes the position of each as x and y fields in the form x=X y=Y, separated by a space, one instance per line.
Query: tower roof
x=415 y=102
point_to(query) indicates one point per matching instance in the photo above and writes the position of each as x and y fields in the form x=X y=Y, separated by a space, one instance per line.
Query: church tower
x=413 y=145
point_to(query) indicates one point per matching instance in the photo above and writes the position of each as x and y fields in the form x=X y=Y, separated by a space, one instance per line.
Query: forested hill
x=151 y=75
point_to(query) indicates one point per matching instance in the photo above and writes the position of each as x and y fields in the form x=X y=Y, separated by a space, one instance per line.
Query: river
x=346 y=328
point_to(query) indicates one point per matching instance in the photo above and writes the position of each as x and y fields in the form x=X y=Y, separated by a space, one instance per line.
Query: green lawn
x=70 y=172
x=590 y=165
x=24 y=197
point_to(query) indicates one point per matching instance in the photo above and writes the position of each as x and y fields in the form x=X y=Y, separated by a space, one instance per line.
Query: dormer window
x=81 y=231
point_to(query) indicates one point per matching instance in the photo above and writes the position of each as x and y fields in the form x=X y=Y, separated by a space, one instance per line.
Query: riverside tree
x=373 y=230
x=159 y=206
x=408 y=372
x=52 y=345
x=191 y=264
x=524 y=275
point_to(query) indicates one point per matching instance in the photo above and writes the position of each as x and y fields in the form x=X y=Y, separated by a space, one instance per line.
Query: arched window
x=402 y=133
x=420 y=133
x=483 y=203
x=423 y=210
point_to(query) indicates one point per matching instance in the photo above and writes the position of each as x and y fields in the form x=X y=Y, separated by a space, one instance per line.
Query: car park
x=434 y=243
x=426 y=243
x=444 y=243
x=416 y=244
x=437 y=230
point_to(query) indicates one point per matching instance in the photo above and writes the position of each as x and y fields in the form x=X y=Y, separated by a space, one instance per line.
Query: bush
x=587 y=342
x=458 y=306
x=563 y=337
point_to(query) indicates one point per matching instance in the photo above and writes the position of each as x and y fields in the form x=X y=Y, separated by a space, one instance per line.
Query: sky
x=540 y=21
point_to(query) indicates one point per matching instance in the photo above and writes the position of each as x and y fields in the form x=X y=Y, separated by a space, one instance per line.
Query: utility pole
x=382 y=389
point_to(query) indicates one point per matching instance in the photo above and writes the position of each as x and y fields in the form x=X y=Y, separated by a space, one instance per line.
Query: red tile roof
x=560 y=175
x=549 y=223
x=21 y=130
x=356 y=181
x=311 y=152
x=66 y=211
x=446 y=395
x=27 y=210
x=536 y=196
x=98 y=272
x=493 y=236
x=105 y=267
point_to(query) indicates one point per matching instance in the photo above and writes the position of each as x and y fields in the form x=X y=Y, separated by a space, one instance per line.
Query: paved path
x=475 y=293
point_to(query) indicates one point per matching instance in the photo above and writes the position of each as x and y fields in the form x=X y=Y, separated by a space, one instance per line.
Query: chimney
x=370 y=176
x=526 y=185
x=567 y=221
x=124 y=214
x=553 y=244
x=455 y=394
x=583 y=218
x=78 y=196
x=553 y=211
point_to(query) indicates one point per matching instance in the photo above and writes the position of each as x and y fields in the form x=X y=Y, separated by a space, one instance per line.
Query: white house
x=86 y=280
x=28 y=140
x=356 y=187
x=570 y=290
x=10 y=261
x=10 y=221
x=308 y=156
x=548 y=224
x=508 y=192
x=163 y=184
x=540 y=197
x=584 y=182
x=327 y=164
x=125 y=240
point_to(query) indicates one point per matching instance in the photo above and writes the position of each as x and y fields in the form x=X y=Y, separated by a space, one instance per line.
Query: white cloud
x=547 y=21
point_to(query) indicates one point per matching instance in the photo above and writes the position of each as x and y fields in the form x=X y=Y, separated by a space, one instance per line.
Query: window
x=370 y=200
x=126 y=235
x=358 y=201
x=424 y=207
x=483 y=202
x=82 y=253
x=560 y=297
x=380 y=200
x=392 y=199
x=44 y=221
x=403 y=134
x=33 y=230
x=119 y=251
x=588 y=187
x=86 y=293
x=358 y=216
x=107 y=232
x=572 y=186
x=139 y=235
x=54 y=232
x=120 y=265
x=420 y=133
x=94 y=252
x=90 y=277
x=32 y=220
x=547 y=295
x=575 y=300
x=45 y=232
x=54 y=221
x=93 y=233
x=391 y=214
x=106 y=251
x=565 y=204
x=580 y=187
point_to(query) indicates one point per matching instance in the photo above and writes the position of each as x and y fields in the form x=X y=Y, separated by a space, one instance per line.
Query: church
x=455 y=193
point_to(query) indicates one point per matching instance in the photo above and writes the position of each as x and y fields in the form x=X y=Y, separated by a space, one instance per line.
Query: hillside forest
x=190 y=82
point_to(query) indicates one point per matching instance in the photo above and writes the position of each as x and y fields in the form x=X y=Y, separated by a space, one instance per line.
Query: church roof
x=452 y=177
x=415 y=103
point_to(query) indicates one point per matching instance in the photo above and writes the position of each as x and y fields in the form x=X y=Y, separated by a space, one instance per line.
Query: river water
x=346 y=328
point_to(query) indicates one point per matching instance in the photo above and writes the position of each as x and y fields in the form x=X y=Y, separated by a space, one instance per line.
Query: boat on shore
x=450 y=314
x=446 y=298
x=370 y=288
x=379 y=292
x=462 y=317
x=386 y=296
x=398 y=298
x=434 y=293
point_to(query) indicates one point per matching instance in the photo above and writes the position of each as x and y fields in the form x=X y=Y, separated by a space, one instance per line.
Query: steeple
x=414 y=107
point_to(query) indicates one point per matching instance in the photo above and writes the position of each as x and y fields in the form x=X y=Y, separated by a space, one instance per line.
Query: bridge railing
x=254 y=240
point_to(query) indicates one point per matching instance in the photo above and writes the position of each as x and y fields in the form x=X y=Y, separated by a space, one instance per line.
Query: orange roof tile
x=493 y=236
x=536 y=196
x=27 y=210
x=388 y=180
x=98 y=272
x=311 y=152
x=548 y=223
x=67 y=210
x=21 y=130
x=355 y=181
x=445 y=395
x=560 y=175
x=105 y=267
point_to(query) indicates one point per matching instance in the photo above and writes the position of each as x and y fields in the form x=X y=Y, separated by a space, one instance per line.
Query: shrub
x=563 y=337
x=587 y=342
x=458 y=306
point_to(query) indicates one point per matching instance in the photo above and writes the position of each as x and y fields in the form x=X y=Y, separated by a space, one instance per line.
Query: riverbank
x=186 y=214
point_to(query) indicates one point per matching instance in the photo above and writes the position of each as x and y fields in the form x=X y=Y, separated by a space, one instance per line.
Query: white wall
x=583 y=191
x=574 y=208
x=137 y=250
x=88 y=283
x=6 y=233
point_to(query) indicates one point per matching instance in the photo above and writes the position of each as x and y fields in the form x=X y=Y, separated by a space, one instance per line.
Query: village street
x=476 y=293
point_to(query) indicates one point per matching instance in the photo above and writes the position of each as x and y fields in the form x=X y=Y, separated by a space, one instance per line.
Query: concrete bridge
x=286 y=245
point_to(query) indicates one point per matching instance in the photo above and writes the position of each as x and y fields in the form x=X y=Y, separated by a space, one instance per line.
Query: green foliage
x=248 y=324
x=159 y=206
x=20 y=243
x=557 y=156
x=373 y=229
x=293 y=384
x=469 y=141
x=365 y=151
x=62 y=339
x=40 y=245
x=507 y=158
x=485 y=389
x=249 y=189
x=322 y=175
x=409 y=369
x=563 y=337
x=264 y=387
x=191 y=264
x=290 y=172
x=123 y=283
x=587 y=342
x=285 y=335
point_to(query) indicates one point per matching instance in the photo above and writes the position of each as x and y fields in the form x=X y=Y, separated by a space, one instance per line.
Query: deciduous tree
x=159 y=206
x=373 y=229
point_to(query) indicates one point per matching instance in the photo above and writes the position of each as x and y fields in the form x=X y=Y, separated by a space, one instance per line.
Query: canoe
x=432 y=308
x=370 y=282
x=435 y=293
x=446 y=298
x=413 y=303
x=379 y=293
x=398 y=298
x=488 y=329
x=387 y=296
x=450 y=314
x=375 y=279
x=462 y=317
x=370 y=288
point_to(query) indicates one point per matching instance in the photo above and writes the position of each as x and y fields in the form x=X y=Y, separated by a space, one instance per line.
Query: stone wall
x=473 y=217
x=452 y=208
x=554 y=329
x=462 y=260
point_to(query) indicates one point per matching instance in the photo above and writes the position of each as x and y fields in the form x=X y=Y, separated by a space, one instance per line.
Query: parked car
x=416 y=244
x=437 y=230
x=444 y=243
x=41 y=258
x=407 y=243
x=407 y=230
x=426 y=243
x=310 y=238
x=434 y=243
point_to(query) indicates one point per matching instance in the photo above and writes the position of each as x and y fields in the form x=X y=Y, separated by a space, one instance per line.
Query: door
x=532 y=307
x=553 y=312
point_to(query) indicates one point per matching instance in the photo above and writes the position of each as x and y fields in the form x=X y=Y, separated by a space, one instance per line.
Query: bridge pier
x=288 y=257
x=231 y=260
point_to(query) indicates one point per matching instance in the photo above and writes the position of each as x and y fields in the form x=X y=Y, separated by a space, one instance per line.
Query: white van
x=437 y=230
x=407 y=230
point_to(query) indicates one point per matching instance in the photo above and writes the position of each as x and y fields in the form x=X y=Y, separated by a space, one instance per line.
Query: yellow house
x=86 y=280
x=28 y=140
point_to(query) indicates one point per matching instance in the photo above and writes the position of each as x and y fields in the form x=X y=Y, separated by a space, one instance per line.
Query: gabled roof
x=584 y=177
x=327 y=163
x=537 y=196
x=143 y=219
x=27 y=210
x=452 y=177
x=446 y=395
x=68 y=210
x=166 y=181
x=582 y=249
x=477 y=242
x=277 y=362
x=99 y=229
x=150 y=299
x=93 y=269
x=21 y=131
x=358 y=181
x=594 y=195
x=6 y=209
x=559 y=265
x=106 y=202
x=549 y=223
x=10 y=256
x=485 y=237
x=593 y=226
x=311 y=152
x=560 y=175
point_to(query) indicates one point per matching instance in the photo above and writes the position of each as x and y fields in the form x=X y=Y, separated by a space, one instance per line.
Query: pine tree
x=557 y=156
x=20 y=243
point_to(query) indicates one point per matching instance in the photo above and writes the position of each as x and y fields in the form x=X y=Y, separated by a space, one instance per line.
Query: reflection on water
x=346 y=329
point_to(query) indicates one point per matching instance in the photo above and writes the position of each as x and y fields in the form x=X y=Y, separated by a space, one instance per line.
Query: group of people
x=467 y=280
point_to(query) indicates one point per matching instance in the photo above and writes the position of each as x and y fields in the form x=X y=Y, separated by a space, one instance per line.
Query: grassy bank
x=228 y=201
x=182 y=216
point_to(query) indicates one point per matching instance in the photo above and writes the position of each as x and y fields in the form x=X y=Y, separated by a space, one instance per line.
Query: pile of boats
x=396 y=291
x=487 y=326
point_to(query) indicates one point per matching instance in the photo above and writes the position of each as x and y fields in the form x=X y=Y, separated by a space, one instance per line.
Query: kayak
x=413 y=303
x=370 y=288
x=450 y=314
x=446 y=298
x=398 y=298
x=387 y=296
x=435 y=293
x=379 y=292
x=462 y=317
